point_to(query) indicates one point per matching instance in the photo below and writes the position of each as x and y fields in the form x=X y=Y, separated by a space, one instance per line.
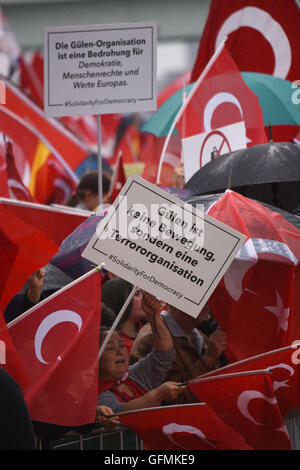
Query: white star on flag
x=280 y=312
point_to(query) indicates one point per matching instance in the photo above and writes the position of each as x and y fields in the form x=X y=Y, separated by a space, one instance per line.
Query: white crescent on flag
x=172 y=428
x=48 y=323
x=256 y=18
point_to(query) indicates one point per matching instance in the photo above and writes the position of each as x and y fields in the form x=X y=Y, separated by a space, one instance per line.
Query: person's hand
x=179 y=176
x=168 y=391
x=105 y=419
x=150 y=305
x=217 y=343
x=35 y=285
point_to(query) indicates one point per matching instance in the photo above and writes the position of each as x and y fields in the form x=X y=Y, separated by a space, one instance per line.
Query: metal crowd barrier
x=98 y=439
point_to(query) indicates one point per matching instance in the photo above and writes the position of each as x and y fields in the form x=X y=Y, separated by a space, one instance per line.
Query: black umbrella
x=268 y=173
x=208 y=199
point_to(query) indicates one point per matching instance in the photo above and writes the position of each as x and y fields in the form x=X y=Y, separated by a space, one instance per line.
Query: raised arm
x=162 y=338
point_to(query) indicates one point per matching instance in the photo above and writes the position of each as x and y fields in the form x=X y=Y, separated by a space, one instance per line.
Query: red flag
x=129 y=144
x=24 y=249
x=9 y=357
x=30 y=82
x=285 y=374
x=189 y=427
x=258 y=298
x=246 y=402
x=16 y=187
x=219 y=98
x=4 y=189
x=58 y=340
x=56 y=223
x=150 y=155
x=66 y=144
x=53 y=184
x=263 y=36
x=118 y=180
x=33 y=158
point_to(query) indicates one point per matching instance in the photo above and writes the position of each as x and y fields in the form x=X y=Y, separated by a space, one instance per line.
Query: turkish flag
x=68 y=146
x=118 y=180
x=285 y=373
x=189 y=427
x=263 y=36
x=257 y=301
x=56 y=223
x=151 y=153
x=29 y=81
x=23 y=249
x=58 y=340
x=17 y=189
x=220 y=97
x=246 y=402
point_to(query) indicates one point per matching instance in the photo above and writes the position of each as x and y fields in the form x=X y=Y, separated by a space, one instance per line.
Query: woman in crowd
x=141 y=385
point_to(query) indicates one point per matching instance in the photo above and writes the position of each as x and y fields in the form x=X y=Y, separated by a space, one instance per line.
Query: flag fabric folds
x=190 y=427
x=285 y=373
x=246 y=402
x=220 y=97
x=263 y=36
x=58 y=341
x=258 y=298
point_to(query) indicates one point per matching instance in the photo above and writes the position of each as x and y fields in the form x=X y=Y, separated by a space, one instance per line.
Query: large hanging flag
x=246 y=402
x=258 y=298
x=183 y=427
x=58 y=340
x=263 y=36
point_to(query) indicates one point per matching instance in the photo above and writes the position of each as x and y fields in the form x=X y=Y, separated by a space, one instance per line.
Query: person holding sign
x=196 y=354
x=123 y=387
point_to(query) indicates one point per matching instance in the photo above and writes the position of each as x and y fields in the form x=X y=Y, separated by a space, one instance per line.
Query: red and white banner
x=58 y=341
x=263 y=36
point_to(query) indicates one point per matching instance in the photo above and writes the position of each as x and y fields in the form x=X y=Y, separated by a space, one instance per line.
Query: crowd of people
x=150 y=355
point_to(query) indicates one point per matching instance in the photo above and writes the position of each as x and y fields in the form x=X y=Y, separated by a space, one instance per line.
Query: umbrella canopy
x=274 y=95
x=254 y=172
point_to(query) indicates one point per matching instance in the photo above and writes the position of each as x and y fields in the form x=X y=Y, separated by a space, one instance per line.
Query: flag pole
x=99 y=159
x=186 y=102
x=116 y=322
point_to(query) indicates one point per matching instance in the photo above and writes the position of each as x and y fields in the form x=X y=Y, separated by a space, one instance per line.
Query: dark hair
x=114 y=294
x=107 y=316
x=89 y=182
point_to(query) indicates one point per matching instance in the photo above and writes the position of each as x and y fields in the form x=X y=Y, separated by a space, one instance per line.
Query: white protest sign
x=198 y=149
x=164 y=245
x=100 y=69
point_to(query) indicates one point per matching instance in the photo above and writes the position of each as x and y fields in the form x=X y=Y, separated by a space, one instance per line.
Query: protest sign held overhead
x=100 y=69
x=164 y=245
